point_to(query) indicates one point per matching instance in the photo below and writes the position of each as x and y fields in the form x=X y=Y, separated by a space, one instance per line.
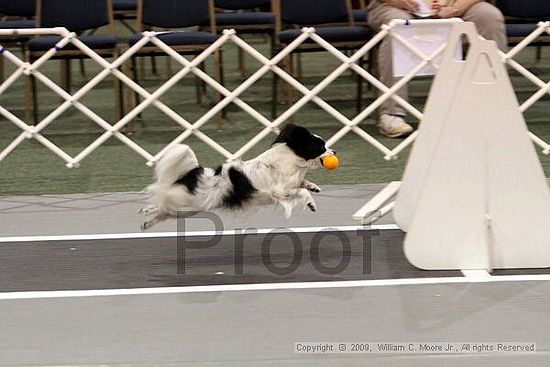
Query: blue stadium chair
x=124 y=10
x=526 y=9
x=522 y=18
x=20 y=14
x=21 y=9
x=76 y=16
x=172 y=15
x=360 y=14
x=238 y=14
x=246 y=17
x=334 y=22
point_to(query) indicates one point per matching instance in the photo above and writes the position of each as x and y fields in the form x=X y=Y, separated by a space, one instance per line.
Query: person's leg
x=489 y=22
x=378 y=15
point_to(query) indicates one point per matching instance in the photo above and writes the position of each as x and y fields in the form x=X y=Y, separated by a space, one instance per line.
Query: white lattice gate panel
x=192 y=66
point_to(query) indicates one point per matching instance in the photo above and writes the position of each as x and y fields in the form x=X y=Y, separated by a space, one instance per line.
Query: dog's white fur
x=278 y=175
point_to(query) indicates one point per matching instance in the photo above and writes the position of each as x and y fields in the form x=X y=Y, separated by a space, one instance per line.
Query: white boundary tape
x=268 y=286
x=228 y=232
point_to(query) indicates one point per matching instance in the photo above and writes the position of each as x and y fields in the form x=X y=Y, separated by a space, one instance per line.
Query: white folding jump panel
x=474 y=195
x=437 y=106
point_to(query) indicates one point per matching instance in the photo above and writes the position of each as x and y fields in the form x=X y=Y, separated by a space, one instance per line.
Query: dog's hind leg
x=310 y=202
x=304 y=197
x=297 y=196
x=159 y=217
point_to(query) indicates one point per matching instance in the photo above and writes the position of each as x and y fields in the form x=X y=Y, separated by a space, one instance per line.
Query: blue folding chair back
x=333 y=21
x=175 y=13
x=242 y=4
x=524 y=17
x=248 y=21
x=170 y=16
x=530 y=9
x=73 y=15
x=124 y=5
x=18 y=8
x=321 y=12
x=76 y=16
x=312 y=12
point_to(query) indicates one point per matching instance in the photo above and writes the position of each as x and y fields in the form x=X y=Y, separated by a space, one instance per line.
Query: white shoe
x=393 y=126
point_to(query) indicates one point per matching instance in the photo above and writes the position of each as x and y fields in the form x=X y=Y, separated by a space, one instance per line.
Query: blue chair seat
x=25 y=23
x=360 y=15
x=96 y=42
x=520 y=29
x=241 y=4
x=121 y=5
x=247 y=18
x=331 y=34
x=179 y=38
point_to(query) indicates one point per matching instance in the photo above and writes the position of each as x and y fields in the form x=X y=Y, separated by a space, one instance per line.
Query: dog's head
x=312 y=148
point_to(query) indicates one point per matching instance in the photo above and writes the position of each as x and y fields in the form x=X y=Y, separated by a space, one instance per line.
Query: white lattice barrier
x=113 y=129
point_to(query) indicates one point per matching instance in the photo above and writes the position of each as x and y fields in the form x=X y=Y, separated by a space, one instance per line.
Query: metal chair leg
x=34 y=100
x=200 y=87
x=218 y=61
x=119 y=98
x=289 y=68
x=359 y=98
x=241 y=63
x=66 y=75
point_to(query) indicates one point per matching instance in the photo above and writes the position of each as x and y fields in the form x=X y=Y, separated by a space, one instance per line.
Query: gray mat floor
x=238 y=327
x=118 y=213
x=156 y=262
x=259 y=328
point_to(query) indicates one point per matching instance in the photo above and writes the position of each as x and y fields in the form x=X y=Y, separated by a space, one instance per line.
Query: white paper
x=424 y=10
x=424 y=37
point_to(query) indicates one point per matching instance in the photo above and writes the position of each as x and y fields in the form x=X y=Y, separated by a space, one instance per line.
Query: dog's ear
x=290 y=126
x=292 y=133
x=301 y=141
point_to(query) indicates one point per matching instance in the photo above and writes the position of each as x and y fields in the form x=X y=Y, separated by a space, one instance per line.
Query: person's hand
x=436 y=5
x=408 y=5
x=446 y=12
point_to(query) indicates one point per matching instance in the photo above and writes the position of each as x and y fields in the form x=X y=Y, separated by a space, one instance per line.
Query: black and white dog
x=277 y=176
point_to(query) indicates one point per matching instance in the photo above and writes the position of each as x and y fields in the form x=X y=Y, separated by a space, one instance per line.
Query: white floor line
x=476 y=275
x=266 y=286
x=229 y=232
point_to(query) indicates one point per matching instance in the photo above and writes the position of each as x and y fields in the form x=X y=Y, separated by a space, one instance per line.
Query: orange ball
x=330 y=162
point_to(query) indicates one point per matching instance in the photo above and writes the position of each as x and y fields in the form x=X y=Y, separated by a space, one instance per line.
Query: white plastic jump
x=474 y=195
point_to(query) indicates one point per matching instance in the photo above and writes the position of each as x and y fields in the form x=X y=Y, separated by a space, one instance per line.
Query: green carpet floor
x=32 y=169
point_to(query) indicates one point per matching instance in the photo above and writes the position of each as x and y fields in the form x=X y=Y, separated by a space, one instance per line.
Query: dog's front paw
x=310 y=186
x=314 y=188
x=311 y=206
x=148 y=210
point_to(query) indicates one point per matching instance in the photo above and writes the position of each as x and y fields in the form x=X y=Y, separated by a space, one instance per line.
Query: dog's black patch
x=218 y=171
x=241 y=190
x=303 y=143
x=191 y=179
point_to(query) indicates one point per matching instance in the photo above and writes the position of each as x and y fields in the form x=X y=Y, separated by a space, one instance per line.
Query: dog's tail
x=174 y=163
